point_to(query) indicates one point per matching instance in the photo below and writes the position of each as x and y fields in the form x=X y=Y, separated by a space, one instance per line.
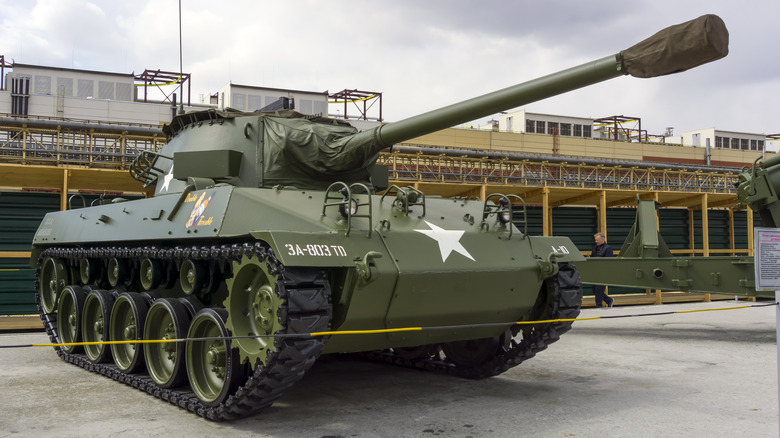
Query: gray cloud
x=420 y=54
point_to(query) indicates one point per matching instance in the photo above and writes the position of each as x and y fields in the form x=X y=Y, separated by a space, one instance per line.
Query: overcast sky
x=421 y=54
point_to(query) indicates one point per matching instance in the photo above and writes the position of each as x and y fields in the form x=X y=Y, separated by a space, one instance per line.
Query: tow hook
x=365 y=264
x=548 y=267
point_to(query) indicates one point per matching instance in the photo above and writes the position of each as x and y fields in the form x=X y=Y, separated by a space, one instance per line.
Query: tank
x=272 y=238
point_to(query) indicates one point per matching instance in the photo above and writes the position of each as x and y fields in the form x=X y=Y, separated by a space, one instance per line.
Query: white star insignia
x=448 y=240
x=167 y=180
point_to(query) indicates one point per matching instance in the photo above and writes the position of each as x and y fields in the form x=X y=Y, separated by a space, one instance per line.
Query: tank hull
x=427 y=271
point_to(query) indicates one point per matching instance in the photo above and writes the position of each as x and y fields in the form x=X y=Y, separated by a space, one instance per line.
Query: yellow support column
x=691 y=235
x=482 y=192
x=64 y=192
x=546 y=213
x=705 y=234
x=731 y=232
x=658 y=297
x=750 y=237
x=749 y=212
x=658 y=213
x=602 y=213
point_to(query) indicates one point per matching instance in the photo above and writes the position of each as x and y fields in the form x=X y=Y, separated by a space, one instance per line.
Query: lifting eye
x=405 y=197
x=504 y=213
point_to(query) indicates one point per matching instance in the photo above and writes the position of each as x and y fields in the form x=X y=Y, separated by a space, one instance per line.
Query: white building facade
x=250 y=98
x=523 y=121
x=721 y=139
x=40 y=91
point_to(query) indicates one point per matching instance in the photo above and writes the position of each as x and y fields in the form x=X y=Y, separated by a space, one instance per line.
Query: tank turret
x=266 y=245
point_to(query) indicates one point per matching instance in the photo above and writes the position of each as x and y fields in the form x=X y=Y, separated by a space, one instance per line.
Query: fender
x=563 y=247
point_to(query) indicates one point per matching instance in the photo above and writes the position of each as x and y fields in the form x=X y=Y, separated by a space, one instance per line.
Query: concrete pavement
x=688 y=375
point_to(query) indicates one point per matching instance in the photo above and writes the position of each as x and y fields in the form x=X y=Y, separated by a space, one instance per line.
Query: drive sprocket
x=256 y=307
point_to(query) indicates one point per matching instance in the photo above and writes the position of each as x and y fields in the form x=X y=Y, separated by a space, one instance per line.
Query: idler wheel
x=167 y=320
x=472 y=352
x=128 y=316
x=191 y=276
x=54 y=277
x=253 y=305
x=94 y=325
x=69 y=310
x=213 y=367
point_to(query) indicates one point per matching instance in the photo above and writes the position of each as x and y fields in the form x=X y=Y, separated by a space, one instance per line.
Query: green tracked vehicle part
x=645 y=261
x=270 y=224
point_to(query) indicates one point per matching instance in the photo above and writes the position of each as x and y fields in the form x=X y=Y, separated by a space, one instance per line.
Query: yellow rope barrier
x=381 y=331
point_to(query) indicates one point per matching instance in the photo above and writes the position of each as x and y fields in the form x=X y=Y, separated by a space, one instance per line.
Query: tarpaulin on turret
x=303 y=154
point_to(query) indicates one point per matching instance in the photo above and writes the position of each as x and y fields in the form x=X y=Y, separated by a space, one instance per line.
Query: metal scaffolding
x=470 y=170
x=159 y=79
x=356 y=97
x=62 y=143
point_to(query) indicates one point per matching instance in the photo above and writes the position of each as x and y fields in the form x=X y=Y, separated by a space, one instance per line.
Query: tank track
x=563 y=301
x=307 y=310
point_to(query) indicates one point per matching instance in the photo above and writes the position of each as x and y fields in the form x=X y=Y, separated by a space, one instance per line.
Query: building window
x=255 y=103
x=578 y=130
x=761 y=145
x=745 y=144
x=306 y=106
x=238 y=101
x=552 y=128
x=65 y=86
x=42 y=84
x=734 y=143
x=105 y=90
x=587 y=131
x=86 y=88
x=540 y=125
x=566 y=129
x=753 y=145
x=124 y=92
x=530 y=125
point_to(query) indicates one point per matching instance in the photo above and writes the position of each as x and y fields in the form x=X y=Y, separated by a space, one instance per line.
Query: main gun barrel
x=674 y=49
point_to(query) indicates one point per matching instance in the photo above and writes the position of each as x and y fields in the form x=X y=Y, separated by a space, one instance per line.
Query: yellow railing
x=454 y=169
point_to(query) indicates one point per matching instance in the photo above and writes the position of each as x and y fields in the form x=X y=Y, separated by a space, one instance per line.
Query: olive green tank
x=272 y=238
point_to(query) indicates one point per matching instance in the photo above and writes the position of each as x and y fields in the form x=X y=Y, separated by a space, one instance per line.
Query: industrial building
x=68 y=136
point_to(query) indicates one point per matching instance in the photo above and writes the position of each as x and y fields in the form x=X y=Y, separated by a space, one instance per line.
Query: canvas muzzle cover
x=678 y=48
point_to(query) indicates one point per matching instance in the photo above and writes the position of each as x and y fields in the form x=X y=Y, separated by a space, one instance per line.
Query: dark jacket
x=602 y=250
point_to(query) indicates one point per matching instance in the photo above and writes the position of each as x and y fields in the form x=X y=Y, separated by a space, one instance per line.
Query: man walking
x=601 y=249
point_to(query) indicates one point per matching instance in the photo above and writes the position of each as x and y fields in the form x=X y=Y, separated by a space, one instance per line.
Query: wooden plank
x=15 y=254
x=20 y=322
x=667 y=297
